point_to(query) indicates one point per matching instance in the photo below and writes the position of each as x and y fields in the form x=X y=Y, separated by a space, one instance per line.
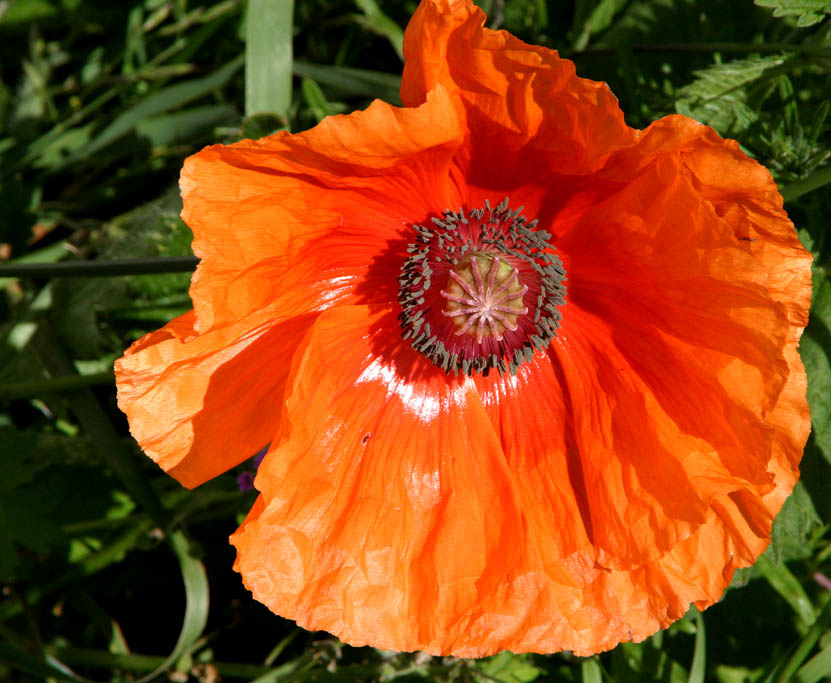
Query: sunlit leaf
x=268 y=56
x=808 y=12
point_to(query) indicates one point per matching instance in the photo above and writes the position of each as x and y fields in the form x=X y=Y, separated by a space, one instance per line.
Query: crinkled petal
x=199 y=404
x=271 y=212
x=349 y=539
x=386 y=515
x=685 y=303
x=513 y=94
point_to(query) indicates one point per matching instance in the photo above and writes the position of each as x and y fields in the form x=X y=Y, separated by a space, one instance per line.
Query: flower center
x=481 y=290
x=484 y=304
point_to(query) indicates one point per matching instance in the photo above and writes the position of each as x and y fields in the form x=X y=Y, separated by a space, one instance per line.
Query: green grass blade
x=165 y=100
x=91 y=564
x=196 y=609
x=698 y=668
x=815 y=669
x=315 y=99
x=378 y=22
x=46 y=668
x=786 y=584
x=591 y=671
x=787 y=668
x=813 y=182
x=268 y=56
x=353 y=82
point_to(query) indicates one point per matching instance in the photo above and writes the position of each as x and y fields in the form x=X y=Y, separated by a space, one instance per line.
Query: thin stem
x=812 y=182
x=55 y=385
x=705 y=47
x=149 y=266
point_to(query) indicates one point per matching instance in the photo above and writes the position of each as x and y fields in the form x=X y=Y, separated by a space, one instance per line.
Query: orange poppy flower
x=545 y=422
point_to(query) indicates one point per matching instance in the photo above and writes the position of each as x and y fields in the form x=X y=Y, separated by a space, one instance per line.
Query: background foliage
x=99 y=104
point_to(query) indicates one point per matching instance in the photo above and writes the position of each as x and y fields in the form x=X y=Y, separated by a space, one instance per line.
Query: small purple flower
x=245 y=480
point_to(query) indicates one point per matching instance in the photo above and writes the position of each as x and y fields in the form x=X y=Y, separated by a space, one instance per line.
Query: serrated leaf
x=792 y=527
x=718 y=96
x=809 y=12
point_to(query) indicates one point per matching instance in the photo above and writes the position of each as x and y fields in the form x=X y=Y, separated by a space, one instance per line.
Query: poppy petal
x=174 y=385
x=522 y=95
x=325 y=197
x=678 y=341
x=396 y=551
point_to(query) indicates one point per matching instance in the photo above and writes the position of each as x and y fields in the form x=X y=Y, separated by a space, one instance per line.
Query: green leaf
x=590 y=671
x=814 y=349
x=268 y=56
x=793 y=527
x=45 y=668
x=719 y=95
x=816 y=668
x=351 y=82
x=508 y=667
x=599 y=19
x=196 y=607
x=186 y=126
x=786 y=584
x=376 y=21
x=698 y=668
x=162 y=101
x=41 y=493
x=788 y=666
x=809 y=12
x=315 y=99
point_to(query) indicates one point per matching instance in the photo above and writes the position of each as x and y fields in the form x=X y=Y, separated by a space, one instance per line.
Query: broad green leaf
x=809 y=12
x=268 y=56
